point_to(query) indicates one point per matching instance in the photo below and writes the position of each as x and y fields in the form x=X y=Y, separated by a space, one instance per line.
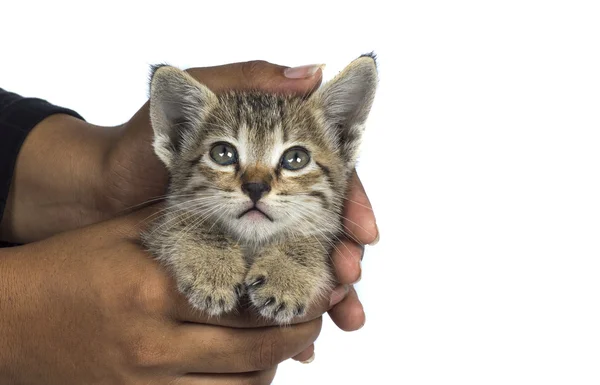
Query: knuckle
x=145 y=352
x=267 y=352
x=253 y=69
x=150 y=296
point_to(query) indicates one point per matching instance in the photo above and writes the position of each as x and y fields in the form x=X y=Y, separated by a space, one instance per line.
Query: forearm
x=56 y=179
x=12 y=305
x=5 y=294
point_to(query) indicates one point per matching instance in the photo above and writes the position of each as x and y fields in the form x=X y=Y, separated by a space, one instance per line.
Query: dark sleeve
x=18 y=116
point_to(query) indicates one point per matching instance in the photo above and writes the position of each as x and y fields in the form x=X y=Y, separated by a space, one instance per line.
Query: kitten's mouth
x=255 y=210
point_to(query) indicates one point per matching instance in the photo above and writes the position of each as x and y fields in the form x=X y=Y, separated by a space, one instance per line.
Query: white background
x=482 y=160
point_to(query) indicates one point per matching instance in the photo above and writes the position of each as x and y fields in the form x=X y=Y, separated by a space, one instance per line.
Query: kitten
x=257 y=187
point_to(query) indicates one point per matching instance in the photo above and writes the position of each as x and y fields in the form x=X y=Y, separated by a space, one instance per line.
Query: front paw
x=212 y=289
x=211 y=297
x=282 y=293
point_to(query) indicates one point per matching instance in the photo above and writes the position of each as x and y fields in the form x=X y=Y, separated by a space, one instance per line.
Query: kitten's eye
x=223 y=153
x=295 y=158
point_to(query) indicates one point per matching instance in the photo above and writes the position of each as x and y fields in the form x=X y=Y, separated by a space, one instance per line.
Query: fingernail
x=338 y=295
x=309 y=360
x=376 y=241
x=302 y=72
x=362 y=254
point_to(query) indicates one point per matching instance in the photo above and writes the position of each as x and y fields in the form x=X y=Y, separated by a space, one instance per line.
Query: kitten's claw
x=239 y=289
x=212 y=299
x=259 y=282
x=269 y=301
x=279 y=303
x=300 y=311
x=280 y=308
x=219 y=302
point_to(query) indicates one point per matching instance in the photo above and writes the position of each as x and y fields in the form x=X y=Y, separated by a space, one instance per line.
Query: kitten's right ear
x=178 y=104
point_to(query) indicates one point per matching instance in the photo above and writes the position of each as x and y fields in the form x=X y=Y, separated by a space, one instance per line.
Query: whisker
x=196 y=223
x=358 y=203
x=188 y=209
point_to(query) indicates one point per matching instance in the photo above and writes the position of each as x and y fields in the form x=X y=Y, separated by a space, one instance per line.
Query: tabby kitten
x=257 y=187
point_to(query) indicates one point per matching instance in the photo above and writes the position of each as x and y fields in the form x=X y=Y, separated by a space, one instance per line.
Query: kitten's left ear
x=178 y=105
x=346 y=102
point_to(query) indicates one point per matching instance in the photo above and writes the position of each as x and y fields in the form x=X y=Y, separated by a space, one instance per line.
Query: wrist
x=132 y=175
x=57 y=174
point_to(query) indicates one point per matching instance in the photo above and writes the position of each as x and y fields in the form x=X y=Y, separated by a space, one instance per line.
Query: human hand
x=91 y=307
x=360 y=229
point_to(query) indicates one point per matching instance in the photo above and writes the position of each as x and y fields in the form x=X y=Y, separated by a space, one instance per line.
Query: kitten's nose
x=255 y=190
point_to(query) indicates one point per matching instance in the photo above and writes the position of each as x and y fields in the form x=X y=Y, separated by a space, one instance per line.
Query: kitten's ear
x=346 y=101
x=178 y=105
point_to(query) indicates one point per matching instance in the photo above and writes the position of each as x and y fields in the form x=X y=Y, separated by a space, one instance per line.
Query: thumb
x=133 y=224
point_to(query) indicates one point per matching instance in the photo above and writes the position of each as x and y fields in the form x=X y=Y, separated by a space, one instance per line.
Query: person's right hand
x=92 y=307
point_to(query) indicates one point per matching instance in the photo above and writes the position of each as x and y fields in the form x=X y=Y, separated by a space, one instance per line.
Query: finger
x=307 y=356
x=263 y=377
x=348 y=315
x=346 y=259
x=214 y=349
x=255 y=75
x=131 y=225
x=359 y=220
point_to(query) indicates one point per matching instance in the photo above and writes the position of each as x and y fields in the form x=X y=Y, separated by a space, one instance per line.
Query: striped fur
x=216 y=252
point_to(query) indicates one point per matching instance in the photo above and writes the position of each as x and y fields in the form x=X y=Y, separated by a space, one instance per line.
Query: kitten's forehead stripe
x=258 y=122
x=282 y=118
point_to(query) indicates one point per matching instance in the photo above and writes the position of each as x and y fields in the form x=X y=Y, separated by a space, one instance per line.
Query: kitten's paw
x=212 y=298
x=276 y=301
x=211 y=292
x=280 y=293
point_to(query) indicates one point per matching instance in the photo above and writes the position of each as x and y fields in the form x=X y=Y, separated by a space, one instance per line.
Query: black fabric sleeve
x=18 y=116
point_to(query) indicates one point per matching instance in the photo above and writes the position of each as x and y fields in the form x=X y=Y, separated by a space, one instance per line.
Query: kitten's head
x=261 y=165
